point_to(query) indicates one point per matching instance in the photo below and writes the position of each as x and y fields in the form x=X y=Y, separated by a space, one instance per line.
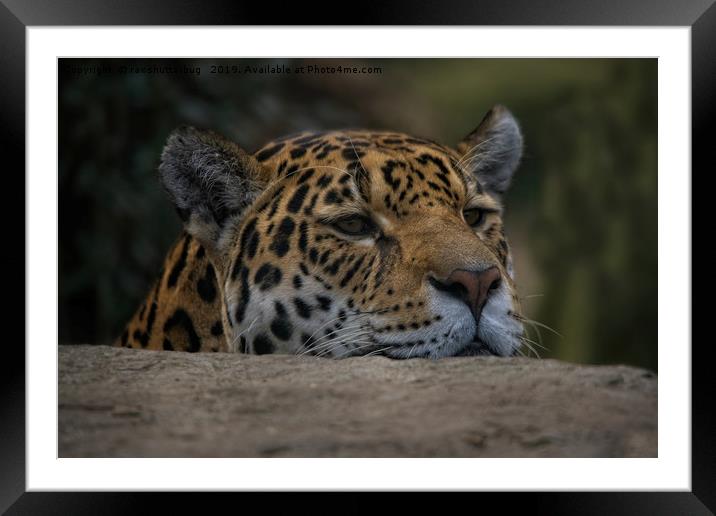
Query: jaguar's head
x=355 y=242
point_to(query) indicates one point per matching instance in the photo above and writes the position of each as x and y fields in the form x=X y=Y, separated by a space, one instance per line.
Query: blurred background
x=581 y=216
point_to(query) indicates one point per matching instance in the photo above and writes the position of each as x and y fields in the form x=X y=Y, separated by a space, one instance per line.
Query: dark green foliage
x=595 y=233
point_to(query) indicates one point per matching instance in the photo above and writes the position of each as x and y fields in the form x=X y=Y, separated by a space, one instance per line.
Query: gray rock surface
x=116 y=402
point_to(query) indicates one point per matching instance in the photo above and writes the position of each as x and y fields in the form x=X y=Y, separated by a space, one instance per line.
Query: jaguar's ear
x=210 y=181
x=493 y=150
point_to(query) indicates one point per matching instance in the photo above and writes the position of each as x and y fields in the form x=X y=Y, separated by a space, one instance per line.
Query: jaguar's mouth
x=476 y=348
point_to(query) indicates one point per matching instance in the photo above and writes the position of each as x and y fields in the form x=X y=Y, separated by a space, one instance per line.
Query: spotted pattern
x=293 y=279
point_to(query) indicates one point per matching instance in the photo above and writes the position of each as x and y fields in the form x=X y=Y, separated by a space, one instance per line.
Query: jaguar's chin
x=476 y=348
x=472 y=348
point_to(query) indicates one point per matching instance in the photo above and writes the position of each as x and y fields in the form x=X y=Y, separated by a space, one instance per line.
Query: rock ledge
x=116 y=402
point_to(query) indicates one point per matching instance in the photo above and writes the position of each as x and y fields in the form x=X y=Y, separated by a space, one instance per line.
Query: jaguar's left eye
x=474 y=216
x=354 y=226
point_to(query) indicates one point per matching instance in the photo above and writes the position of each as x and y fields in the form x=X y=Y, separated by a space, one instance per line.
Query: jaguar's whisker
x=233 y=342
x=542 y=325
x=411 y=350
x=474 y=149
x=321 y=327
x=341 y=337
x=366 y=345
x=377 y=351
x=358 y=339
x=351 y=332
x=332 y=339
x=530 y=347
x=336 y=331
x=338 y=342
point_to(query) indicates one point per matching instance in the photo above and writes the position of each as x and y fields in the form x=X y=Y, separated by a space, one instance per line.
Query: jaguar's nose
x=473 y=287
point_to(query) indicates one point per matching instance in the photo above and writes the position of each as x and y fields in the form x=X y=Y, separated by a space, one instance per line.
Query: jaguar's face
x=360 y=242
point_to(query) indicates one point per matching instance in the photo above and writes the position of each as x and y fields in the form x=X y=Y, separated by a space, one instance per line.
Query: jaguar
x=336 y=244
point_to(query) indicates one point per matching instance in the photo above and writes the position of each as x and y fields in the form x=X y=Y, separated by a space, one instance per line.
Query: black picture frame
x=17 y=15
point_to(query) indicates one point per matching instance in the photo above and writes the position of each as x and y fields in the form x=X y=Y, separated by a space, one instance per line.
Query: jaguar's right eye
x=355 y=225
x=474 y=217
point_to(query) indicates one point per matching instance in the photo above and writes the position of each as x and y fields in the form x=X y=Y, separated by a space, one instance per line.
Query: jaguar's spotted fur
x=336 y=244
